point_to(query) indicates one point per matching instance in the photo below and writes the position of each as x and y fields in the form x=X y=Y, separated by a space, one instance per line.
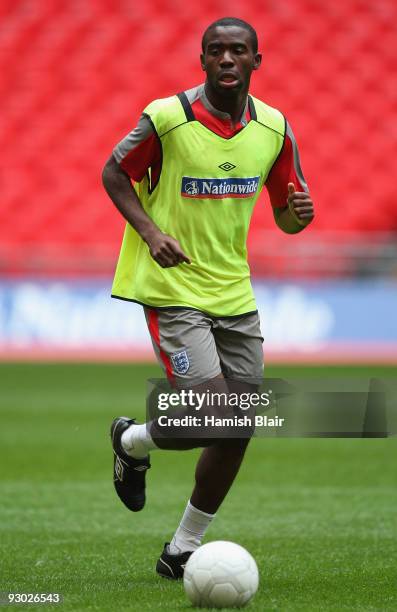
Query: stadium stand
x=75 y=76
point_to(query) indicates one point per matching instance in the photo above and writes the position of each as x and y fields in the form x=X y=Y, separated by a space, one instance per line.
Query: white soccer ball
x=220 y=575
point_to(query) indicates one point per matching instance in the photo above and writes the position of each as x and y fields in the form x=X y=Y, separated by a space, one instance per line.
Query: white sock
x=191 y=530
x=137 y=441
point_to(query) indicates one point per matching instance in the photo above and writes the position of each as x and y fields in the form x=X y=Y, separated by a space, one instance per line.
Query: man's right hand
x=166 y=251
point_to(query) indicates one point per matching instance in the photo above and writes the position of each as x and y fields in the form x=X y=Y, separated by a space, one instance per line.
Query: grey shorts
x=193 y=347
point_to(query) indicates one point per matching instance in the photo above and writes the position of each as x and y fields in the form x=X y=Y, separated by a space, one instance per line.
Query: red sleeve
x=286 y=169
x=139 y=151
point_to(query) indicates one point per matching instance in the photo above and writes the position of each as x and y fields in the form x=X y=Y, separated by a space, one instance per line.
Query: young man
x=199 y=160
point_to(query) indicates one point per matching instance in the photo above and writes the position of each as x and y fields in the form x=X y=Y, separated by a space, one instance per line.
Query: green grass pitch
x=318 y=515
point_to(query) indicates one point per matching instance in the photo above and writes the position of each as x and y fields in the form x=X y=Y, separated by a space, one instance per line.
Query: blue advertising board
x=295 y=318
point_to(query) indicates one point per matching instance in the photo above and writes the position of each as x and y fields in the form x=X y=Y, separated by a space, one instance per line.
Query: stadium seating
x=75 y=76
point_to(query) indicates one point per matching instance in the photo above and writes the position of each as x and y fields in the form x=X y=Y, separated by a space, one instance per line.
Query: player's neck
x=232 y=104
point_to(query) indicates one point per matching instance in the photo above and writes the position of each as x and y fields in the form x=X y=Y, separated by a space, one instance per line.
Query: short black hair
x=232 y=21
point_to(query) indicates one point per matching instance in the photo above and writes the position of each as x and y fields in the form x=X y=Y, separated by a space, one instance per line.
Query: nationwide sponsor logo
x=219 y=188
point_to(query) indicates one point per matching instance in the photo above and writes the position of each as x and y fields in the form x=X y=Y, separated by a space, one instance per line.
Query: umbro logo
x=119 y=468
x=227 y=166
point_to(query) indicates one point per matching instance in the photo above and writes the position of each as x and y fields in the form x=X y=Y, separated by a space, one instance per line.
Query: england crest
x=180 y=361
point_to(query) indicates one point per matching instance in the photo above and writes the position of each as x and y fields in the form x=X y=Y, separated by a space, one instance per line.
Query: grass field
x=318 y=515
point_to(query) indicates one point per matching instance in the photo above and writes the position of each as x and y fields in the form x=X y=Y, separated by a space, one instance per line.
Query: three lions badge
x=180 y=361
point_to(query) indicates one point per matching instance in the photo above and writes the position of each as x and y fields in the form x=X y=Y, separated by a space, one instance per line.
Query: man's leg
x=216 y=469
x=185 y=347
x=215 y=472
x=217 y=466
x=239 y=347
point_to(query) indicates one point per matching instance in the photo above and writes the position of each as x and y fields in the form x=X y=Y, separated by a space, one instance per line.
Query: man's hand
x=300 y=205
x=166 y=251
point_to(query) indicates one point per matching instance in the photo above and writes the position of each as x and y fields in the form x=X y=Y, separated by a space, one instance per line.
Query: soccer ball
x=219 y=575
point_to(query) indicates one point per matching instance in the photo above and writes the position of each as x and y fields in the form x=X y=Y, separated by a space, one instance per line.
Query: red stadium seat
x=75 y=77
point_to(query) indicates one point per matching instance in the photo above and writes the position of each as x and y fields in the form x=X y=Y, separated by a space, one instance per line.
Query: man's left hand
x=300 y=205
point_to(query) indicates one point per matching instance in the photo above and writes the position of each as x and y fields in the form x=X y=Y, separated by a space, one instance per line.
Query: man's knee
x=233 y=445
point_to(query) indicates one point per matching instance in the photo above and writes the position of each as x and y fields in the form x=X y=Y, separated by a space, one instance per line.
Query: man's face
x=229 y=59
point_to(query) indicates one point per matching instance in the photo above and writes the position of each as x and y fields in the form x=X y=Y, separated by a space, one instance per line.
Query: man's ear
x=257 y=61
x=202 y=61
